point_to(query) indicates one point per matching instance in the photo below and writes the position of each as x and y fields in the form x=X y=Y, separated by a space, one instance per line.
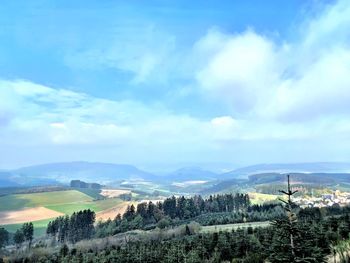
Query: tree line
x=313 y=239
x=185 y=208
x=23 y=234
x=78 y=226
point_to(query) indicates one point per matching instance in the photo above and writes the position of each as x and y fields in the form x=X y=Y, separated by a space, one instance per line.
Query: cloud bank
x=283 y=99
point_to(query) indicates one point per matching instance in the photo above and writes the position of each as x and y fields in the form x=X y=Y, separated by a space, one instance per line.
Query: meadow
x=39 y=227
x=64 y=202
x=259 y=198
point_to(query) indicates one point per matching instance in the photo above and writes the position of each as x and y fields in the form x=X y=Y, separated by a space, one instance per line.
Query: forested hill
x=254 y=180
x=317 y=233
x=306 y=178
x=315 y=167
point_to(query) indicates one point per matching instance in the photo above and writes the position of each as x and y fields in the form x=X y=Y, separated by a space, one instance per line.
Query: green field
x=20 y=201
x=39 y=227
x=94 y=193
x=229 y=227
x=61 y=201
x=66 y=202
x=97 y=206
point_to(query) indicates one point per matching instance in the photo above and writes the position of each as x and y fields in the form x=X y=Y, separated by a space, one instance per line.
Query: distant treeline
x=185 y=208
x=81 y=184
x=218 y=209
x=316 y=234
x=31 y=190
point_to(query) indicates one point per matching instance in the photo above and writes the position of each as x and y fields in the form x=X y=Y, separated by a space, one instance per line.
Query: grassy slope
x=39 y=227
x=62 y=201
x=97 y=206
x=94 y=193
x=65 y=202
x=19 y=201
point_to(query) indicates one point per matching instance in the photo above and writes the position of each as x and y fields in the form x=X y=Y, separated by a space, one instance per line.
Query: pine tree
x=28 y=232
x=18 y=238
x=294 y=241
x=4 y=237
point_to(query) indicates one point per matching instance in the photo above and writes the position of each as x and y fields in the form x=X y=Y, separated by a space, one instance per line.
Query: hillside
x=317 y=167
x=254 y=180
x=64 y=172
x=190 y=174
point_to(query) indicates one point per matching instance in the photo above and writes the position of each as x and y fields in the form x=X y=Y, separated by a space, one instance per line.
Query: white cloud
x=285 y=96
x=289 y=81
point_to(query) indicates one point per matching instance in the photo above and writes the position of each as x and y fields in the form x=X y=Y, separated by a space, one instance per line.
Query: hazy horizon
x=160 y=84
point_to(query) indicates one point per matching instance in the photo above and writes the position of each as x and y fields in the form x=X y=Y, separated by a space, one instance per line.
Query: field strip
x=27 y=215
x=229 y=227
x=112 y=212
x=111 y=193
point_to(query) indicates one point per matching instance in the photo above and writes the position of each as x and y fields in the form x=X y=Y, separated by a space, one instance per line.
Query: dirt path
x=27 y=215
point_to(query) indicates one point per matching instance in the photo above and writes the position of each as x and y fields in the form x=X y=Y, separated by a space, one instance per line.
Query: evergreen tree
x=18 y=238
x=4 y=237
x=28 y=232
x=292 y=240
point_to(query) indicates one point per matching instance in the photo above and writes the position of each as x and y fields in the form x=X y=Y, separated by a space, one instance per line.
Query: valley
x=41 y=207
x=125 y=185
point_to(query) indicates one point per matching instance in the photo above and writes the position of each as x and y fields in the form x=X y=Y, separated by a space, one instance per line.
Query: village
x=324 y=200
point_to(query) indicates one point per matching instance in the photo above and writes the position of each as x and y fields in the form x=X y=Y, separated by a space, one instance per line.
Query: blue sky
x=171 y=83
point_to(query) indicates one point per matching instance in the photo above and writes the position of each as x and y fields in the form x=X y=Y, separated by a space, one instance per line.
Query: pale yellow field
x=111 y=193
x=27 y=214
x=112 y=212
x=258 y=198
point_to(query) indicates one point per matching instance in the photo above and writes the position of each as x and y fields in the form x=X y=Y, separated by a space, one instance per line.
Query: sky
x=162 y=84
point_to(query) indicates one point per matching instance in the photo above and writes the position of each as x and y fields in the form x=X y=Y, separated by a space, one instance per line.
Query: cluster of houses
x=335 y=198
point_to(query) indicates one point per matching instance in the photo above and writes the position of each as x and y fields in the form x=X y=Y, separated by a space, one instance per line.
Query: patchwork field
x=39 y=208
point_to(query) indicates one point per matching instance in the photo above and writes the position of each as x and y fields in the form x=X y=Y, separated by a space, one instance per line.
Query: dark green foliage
x=4 y=237
x=221 y=209
x=295 y=241
x=28 y=232
x=78 y=226
x=312 y=239
x=64 y=250
x=18 y=237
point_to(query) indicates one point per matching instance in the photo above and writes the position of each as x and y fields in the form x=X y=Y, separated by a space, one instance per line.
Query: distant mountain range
x=191 y=174
x=65 y=172
x=317 y=167
x=55 y=173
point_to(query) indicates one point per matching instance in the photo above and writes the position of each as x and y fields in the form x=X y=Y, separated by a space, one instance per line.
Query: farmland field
x=18 y=208
x=258 y=198
x=39 y=227
x=19 y=201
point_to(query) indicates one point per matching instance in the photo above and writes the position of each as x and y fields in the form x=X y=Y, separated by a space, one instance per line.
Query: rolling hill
x=190 y=174
x=317 y=167
x=324 y=179
x=54 y=173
